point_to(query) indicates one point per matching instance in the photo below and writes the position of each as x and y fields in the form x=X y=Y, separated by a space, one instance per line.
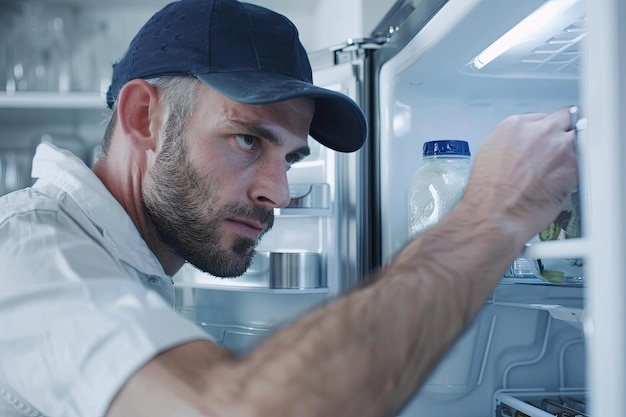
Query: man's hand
x=525 y=170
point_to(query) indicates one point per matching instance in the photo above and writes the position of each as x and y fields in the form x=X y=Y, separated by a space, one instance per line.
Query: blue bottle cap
x=446 y=147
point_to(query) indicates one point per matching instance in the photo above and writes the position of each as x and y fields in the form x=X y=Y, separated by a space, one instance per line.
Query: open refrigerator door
x=454 y=70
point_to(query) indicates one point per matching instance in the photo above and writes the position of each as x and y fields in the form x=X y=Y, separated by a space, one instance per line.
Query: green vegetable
x=551 y=232
x=553 y=276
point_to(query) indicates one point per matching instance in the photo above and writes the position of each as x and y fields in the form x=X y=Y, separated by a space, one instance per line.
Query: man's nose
x=270 y=186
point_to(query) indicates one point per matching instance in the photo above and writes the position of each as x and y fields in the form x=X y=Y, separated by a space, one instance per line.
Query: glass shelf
x=199 y=286
x=571 y=315
x=539 y=403
x=303 y=212
x=28 y=108
x=52 y=100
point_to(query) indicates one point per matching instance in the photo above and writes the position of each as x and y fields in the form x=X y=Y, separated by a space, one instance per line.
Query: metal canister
x=297 y=270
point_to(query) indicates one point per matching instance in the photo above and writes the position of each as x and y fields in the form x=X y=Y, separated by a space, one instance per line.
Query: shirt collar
x=68 y=172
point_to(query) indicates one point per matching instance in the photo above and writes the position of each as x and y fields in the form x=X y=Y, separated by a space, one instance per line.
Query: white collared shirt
x=84 y=303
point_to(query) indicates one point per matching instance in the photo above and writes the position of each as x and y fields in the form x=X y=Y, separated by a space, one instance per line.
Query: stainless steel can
x=298 y=270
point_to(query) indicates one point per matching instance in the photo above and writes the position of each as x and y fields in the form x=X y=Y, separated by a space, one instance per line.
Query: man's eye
x=246 y=141
x=292 y=158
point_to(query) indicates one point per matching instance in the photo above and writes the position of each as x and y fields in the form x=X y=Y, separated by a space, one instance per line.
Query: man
x=212 y=104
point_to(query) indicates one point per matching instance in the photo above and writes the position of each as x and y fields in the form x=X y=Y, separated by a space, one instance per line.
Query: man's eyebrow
x=259 y=131
x=304 y=151
x=255 y=130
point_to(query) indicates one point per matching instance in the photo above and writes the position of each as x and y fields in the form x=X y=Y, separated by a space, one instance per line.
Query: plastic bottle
x=438 y=185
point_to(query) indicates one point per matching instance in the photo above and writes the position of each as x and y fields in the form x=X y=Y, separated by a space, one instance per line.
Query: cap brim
x=338 y=122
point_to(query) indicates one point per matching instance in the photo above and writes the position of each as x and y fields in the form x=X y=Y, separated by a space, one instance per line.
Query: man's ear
x=139 y=114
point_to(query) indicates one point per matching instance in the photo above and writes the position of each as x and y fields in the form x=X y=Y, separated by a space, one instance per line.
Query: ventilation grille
x=557 y=55
x=562 y=54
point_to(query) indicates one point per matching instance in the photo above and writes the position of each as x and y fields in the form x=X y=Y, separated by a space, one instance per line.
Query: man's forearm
x=363 y=355
x=381 y=342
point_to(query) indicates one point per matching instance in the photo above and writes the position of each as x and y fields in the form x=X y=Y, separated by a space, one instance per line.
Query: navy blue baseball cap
x=245 y=52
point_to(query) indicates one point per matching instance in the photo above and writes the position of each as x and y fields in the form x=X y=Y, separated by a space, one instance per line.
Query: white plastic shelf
x=568 y=248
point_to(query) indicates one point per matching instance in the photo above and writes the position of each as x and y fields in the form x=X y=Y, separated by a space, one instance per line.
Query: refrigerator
x=452 y=70
x=537 y=348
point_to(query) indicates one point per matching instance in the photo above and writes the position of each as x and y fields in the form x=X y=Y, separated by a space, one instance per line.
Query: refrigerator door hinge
x=355 y=48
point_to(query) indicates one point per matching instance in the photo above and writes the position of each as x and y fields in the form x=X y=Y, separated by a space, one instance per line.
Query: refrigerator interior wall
x=427 y=92
x=527 y=337
x=516 y=344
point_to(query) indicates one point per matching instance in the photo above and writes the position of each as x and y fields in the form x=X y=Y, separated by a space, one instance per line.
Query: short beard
x=181 y=208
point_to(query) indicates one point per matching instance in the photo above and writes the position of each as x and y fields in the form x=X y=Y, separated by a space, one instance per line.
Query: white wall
x=325 y=23
x=336 y=21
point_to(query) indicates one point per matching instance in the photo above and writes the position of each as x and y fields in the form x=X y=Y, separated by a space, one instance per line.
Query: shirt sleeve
x=73 y=325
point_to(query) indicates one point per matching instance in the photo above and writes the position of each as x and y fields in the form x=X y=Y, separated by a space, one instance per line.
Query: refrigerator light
x=524 y=31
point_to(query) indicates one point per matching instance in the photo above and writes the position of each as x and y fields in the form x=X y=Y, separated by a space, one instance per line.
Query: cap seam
x=214 y=16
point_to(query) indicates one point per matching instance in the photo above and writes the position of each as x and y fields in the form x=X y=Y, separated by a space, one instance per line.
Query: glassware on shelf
x=59 y=51
x=9 y=13
x=92 y=58
x=28 y=64
x=53 y=47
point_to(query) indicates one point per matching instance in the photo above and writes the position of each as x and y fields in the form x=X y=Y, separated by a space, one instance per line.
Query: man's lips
x=247 y=227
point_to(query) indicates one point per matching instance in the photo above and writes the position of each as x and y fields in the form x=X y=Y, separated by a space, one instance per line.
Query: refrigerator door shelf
x=264 y=273
x=571 y=315
x=255 y=281
x=309 y=196
x=546 y=271
x=567 y=248
x=540 y=403
x=303 y=212
x=236 y=309
x=238 y=339
x=555 y=262
x=240 y=318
